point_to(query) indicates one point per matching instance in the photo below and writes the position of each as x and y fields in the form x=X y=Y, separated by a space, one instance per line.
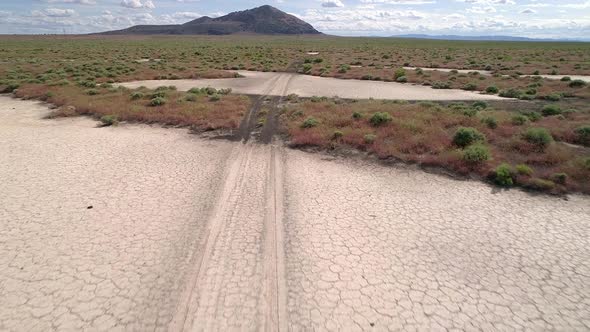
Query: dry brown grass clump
x=198 y=110
x=424 y=133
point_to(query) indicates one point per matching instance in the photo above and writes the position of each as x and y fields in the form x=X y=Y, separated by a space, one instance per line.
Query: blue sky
x=530 y=18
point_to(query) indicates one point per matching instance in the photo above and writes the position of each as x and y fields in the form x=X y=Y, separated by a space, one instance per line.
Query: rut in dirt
x=238 y=279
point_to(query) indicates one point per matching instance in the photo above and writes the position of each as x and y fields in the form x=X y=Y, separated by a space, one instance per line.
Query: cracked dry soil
x=193 y=234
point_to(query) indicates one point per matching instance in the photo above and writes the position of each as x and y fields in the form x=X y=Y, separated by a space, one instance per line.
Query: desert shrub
x=583 y=134
x=399 y=72
x=136 y=95
x=560 y=178
x=91 y=92
x=159 y=94
x=10 y=87
x=369 y=138
x=214 y=97
x=196 y=91
x=470 y=87
x=470 y=112
x=551 y=110
x=441 y=85
x=503 y=175
x=356 y=115
x=367 y=77
x=577 y=84
x=519 y=120
x=476 y=153
x=490 y=122
x=343 y=69
x=380 y=118
x=109 y=120
x=511 y=93
x=538 y=136
x=540 y=184
x=480 y=104
x=566 y=79
x=190 y=97
x=532 y=115
x=492 y=89
x=157 y=101
x=401 y=79
x=523 y=169
x=465 y=136
x=310 y=122
x=307 y=68
x=554 y=97
x=337 y=134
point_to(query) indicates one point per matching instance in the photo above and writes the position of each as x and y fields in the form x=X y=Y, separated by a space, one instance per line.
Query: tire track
x=237 y=279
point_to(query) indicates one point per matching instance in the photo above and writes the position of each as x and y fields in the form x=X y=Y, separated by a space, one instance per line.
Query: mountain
x=261 y=20
x=481 y=38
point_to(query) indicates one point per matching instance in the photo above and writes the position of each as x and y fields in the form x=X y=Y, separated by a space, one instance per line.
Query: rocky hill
x=261 y=20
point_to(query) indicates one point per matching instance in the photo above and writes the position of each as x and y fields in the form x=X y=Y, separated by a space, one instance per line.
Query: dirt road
x=143 y=228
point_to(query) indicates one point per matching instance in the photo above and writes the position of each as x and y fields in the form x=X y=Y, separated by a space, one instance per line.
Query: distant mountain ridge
x=485 y=38
x=261 y=20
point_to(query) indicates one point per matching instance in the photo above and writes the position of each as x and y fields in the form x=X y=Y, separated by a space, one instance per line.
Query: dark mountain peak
x=265 y=19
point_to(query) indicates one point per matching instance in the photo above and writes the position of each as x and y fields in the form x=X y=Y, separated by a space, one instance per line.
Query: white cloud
x=138 y=4
x=53 y=12
x=400 y=2
x=332 y=3
x=80 y=2
x=481 y=10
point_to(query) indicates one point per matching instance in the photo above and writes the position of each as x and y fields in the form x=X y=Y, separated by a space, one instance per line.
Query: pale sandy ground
x=191 y=234
x=260 y=83
x=489 y=73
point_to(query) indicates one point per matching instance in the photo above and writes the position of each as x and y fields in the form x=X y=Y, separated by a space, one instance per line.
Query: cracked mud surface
x=191 y=234
x=368 y=246
x=262 y=83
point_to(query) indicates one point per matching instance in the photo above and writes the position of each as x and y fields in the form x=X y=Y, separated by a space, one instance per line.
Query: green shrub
x=109 y=120
x=554 y=97
x=441 y=85
x=476 y=153
x=511 y=93
x=583 y=134
x=224 y=91
x=157 y=101
x=503 y=175
x=159 y=94
x=523 y=169
x=190 y=97
x=538 y=136
x=540 y=184
x=480 y=104
x=337 y=134
x=91 y=92
x=401 y=79
x=577 y=84
x=532 y=115
x=369 y=138
x=310 y=122
x=380 y=118
x=399 y=72
x=214 y=97
x=566 y=79
x=519 y=120
x=490 y=122
x=551 y=110
x=356 y=115
x=560 y=178
x=136 y=95
x=465 y=136
x=470 y=87
x=196 y=91
x=492 y=89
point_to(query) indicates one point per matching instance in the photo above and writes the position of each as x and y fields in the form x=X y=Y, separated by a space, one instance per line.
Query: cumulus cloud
x=138 y=4
x=399 y=2
x=332 y=3
x=80 y=2
x=528 y=11
x=54 y=12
